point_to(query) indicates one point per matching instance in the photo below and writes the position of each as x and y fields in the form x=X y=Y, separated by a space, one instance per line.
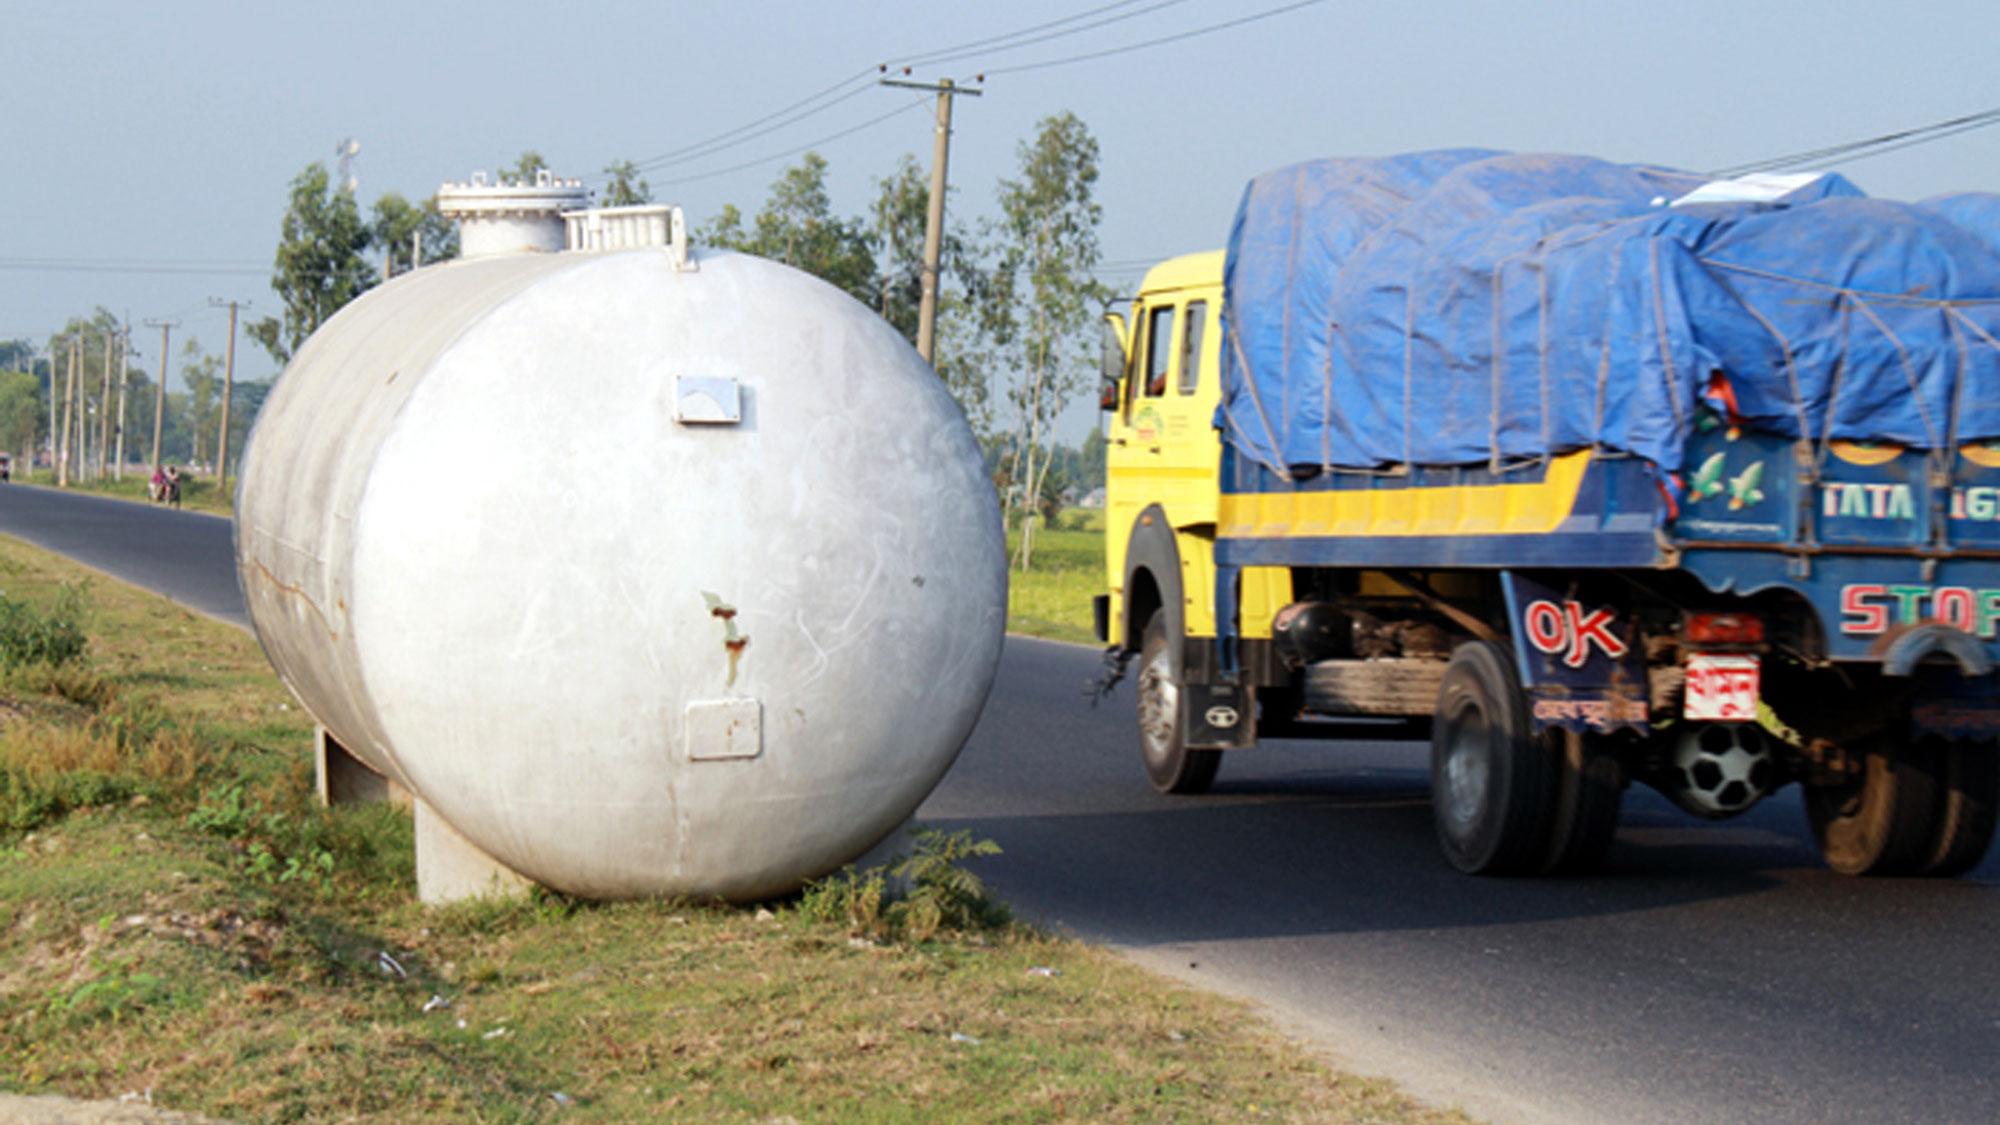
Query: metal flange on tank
x=645 y=571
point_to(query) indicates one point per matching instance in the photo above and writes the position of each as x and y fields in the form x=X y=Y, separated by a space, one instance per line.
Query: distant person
x=156 y=490
x=173 y=486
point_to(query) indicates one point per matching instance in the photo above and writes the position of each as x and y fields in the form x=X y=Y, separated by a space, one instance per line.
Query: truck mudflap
x=1581 y=661
x=1219 y=716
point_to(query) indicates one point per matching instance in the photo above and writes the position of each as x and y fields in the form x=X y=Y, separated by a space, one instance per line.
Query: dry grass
x=176 y=917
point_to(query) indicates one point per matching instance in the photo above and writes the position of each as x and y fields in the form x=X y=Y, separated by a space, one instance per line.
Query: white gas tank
x=649 y=576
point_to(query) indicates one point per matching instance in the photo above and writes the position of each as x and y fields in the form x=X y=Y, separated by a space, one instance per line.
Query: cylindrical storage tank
x=648 y=579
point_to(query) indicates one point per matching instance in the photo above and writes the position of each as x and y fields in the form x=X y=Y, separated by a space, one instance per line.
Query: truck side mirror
x=1112 y=361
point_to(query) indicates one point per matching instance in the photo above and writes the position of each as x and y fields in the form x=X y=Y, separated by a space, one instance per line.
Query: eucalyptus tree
x=1047 y=295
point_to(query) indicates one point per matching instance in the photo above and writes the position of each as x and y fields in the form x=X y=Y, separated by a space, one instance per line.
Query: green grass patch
x=1052 y=598
x=177 y=915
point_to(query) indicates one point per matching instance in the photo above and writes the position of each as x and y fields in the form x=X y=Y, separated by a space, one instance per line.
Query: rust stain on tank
x=264 y=573
x=732 y=642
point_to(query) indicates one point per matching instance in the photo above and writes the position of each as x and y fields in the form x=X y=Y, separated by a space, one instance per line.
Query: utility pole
x=160 y=391
x=228 y=381
x=69 y=403
x=945 y=89
x=124 y=384
x=104 y=408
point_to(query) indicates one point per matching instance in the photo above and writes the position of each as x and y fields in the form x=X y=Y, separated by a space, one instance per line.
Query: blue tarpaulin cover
x=1475 y=307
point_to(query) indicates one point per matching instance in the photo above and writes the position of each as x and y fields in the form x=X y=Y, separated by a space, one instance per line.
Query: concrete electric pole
x=69 y=404
x=945 y=89
x=104 y=407
x=160 y=390
x=124 y=382
x=228 y=383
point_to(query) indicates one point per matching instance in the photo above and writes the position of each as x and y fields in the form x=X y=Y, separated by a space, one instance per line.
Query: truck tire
x=1887 y=822
x=1590 y=790
x=1170 y=765
x=1971 y=792
x=1492 y=780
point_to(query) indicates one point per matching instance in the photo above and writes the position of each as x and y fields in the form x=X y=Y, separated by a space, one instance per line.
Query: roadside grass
x=199 y=494
x=176 y=916
x=1052 y=598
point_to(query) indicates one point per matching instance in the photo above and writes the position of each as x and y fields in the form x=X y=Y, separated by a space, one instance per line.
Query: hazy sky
x=145 y=141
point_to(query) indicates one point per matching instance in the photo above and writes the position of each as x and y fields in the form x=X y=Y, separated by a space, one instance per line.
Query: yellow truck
x=1587 y=473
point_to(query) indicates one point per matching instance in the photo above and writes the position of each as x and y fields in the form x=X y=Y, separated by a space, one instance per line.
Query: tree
x=21 y=416
x=396 y=221
x=897 y=221
x=1046 y=294
x=91 y=335
x=626 y=189
x=201 y=373
x=797 y=226
x=17 y=355
x=320 y=262
x=525 y=168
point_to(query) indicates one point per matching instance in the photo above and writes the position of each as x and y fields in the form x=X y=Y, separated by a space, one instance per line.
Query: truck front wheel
x=1492 y=779
x=1170 y=765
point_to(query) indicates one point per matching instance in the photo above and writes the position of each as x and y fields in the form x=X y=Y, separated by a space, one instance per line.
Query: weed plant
x=53 y=635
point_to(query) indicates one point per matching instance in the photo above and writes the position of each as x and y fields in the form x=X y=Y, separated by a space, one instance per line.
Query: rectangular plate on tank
x=707 y=400
x=722 y=729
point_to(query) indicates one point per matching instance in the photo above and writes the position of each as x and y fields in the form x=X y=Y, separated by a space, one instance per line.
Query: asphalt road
x=1712 y=972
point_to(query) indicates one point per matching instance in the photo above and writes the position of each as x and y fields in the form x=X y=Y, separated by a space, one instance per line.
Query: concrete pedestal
x=341 y=779
x=451 y=868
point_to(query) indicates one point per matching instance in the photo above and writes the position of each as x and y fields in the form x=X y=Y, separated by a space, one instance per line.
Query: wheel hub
x=1159 y=703
x=1468 y=771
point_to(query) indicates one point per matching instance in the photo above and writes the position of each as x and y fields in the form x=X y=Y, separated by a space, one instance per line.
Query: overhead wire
x=128 y=266
x=995 y=41
x=854 y=84
x=956 y=56
x=904 y=108
x=1868 y=146
x=1161 y=41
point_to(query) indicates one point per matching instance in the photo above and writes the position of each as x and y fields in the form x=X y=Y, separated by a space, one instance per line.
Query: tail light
x=1723 y=628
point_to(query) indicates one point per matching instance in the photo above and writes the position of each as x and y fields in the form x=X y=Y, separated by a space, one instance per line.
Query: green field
x=1052 y=598
x=178 y=917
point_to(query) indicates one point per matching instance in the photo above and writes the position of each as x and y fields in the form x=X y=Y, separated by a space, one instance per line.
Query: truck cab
x=1161 y=385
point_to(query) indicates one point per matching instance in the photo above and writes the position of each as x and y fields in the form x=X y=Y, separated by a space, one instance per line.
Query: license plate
x=1721 y=689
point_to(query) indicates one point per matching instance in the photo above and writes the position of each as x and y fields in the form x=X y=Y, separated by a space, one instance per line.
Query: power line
x=1884 y=142
x=1161 y=41
x=713 y=144
x=904 y=108
x=1911 y=143
x=826 y=98
x=994 y=40
x=955 y=55
x=137 y=266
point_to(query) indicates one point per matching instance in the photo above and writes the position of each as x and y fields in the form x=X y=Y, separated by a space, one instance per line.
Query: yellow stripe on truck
x=1530 y=508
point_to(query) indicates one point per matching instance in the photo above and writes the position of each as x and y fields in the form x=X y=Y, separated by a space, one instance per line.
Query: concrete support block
x=342 y=779
x=451 y=868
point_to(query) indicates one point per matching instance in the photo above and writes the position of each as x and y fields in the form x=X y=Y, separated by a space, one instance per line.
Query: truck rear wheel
x=1885 y=823
x=1170 y=765
x=1590 y=792
x=1970 y=777
x=1492 y=779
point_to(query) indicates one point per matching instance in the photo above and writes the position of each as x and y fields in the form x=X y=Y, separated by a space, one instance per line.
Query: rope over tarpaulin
x=1470 y=307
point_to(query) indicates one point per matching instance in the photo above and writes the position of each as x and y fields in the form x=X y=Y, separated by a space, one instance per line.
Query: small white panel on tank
x=721 y=729
x=707 y=400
